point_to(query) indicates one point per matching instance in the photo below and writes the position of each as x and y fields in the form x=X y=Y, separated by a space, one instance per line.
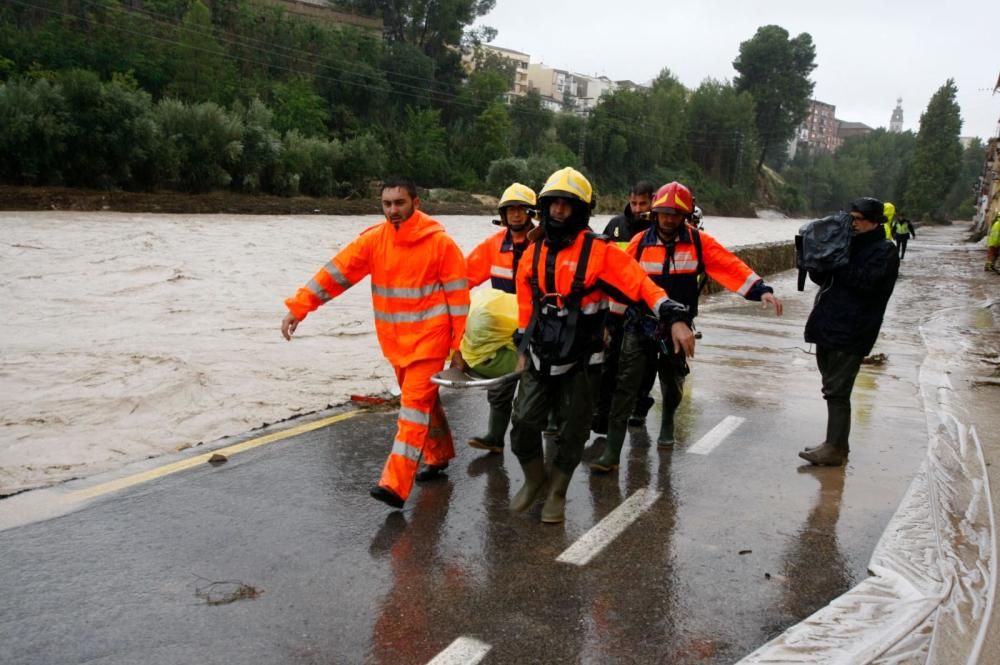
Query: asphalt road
x=717 y=552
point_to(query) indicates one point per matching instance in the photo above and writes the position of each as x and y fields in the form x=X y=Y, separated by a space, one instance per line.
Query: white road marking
x=717 y=435
x=601 y=534
x=463 y=651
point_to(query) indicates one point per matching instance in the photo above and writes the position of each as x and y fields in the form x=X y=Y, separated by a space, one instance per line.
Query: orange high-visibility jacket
x=495 y=259
x=609 y=269
x=676 y=268
x=420 y=293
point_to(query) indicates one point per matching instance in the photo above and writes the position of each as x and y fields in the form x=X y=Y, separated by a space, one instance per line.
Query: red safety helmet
x=674 y=198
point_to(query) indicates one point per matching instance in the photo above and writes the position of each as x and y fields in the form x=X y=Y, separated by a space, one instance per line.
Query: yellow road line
x=168 y=469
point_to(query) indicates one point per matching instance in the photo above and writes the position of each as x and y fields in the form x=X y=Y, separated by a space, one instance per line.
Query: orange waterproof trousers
x=422 y=427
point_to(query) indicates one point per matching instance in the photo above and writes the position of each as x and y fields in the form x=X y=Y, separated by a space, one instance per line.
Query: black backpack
x=823 y=245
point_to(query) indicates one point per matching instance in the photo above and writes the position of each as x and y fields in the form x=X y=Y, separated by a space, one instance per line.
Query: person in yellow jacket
x=420 y=295
x=993 y=245
x=563 y=287
x=889 y=212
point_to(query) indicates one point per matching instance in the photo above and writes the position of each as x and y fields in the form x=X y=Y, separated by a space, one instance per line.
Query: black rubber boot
x=825 y=455
x=554 y=509
x=609 y=459
x=496 y=428
x=431 y=472
x=386 y=496
x=599 y=424
x=642 y=407
x=534 y=481
x=666 y=438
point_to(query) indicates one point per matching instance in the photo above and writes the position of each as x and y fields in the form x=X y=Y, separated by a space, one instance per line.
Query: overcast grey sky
x=867 y=53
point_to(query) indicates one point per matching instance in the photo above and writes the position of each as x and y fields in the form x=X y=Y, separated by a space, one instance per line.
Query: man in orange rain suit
x=421 y=299
x=563 y=287
x=674 y=254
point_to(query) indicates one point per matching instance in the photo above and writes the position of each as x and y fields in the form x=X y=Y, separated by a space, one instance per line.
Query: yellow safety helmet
x=518 y=195
x=889 y=210
x=568 y=183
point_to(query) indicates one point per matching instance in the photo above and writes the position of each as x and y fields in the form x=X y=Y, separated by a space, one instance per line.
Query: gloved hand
x=671 y=311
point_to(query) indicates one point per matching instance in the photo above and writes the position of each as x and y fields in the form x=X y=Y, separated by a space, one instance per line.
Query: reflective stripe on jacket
x=494 y=259
x=610 y=271
x=420 y=294
x=680 y=279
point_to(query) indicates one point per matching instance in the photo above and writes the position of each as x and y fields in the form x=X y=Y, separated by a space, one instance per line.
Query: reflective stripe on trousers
x=422 y=428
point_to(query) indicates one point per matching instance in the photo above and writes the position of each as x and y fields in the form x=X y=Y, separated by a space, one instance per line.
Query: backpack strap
x=536 y=297
x=577 y=290
x=702 y=277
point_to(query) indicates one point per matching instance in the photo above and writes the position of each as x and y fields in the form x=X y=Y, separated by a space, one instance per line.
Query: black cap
x=872 y=209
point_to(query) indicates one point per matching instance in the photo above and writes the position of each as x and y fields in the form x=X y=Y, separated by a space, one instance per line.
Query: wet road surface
x=727 y=548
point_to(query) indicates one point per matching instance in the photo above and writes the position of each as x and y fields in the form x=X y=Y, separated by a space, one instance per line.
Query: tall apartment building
x=520 y=60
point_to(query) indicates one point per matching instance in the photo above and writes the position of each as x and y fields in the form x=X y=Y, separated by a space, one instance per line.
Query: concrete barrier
x=765 y=258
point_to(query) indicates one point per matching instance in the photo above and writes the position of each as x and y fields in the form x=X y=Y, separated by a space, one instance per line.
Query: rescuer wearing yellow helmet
x=496 y=259
x=562 y=293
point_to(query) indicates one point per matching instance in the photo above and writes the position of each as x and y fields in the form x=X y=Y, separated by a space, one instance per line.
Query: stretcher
x=453 y=377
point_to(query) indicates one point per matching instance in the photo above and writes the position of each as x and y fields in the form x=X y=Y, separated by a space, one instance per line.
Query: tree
x=203 y=71
x=775 y=70
x=961 y=201
x=422 y=147
x=433 y=27
x=720 y=132
x=531 y=123
x=938 y=157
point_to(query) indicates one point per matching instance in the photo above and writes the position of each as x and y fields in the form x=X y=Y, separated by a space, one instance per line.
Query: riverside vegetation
x=206 y=95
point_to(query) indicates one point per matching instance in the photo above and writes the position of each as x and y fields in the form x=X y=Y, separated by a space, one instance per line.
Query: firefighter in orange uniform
x=674 y=254
x=563 y=287
x=496 y=259
x=420 y=295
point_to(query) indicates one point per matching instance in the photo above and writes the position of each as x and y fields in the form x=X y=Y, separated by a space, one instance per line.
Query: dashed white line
x=601 y=534
x=716 y=435
x=463 y=651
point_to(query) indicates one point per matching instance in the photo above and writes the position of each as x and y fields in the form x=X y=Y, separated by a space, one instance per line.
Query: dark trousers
x=569 y=396
x=609 y=375
x=501 y=398
x=639 y=357
x=838 y=370
x=901 y=245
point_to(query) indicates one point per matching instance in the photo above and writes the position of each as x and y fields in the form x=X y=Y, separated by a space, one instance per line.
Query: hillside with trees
x=208 y=95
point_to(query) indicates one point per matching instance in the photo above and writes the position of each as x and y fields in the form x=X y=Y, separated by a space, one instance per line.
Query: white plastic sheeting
x=933 y=572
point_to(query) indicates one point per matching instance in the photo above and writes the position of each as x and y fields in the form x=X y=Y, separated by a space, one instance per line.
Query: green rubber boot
x=496 y=431
x=534 y=481
x=609 y=459
x=666 y=438
x=554 y=508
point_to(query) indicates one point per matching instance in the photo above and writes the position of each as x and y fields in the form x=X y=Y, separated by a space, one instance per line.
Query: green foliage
x=961 y=200
x=775 y=70
x=421 y=147
x=937 y=161
x=34 y=124
x=261 y=147
x=721 y=133
x=505 y=171
x=297 y=106
x=113 y=135
x=201 y=147
x=530 y=124
x=203 y=71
